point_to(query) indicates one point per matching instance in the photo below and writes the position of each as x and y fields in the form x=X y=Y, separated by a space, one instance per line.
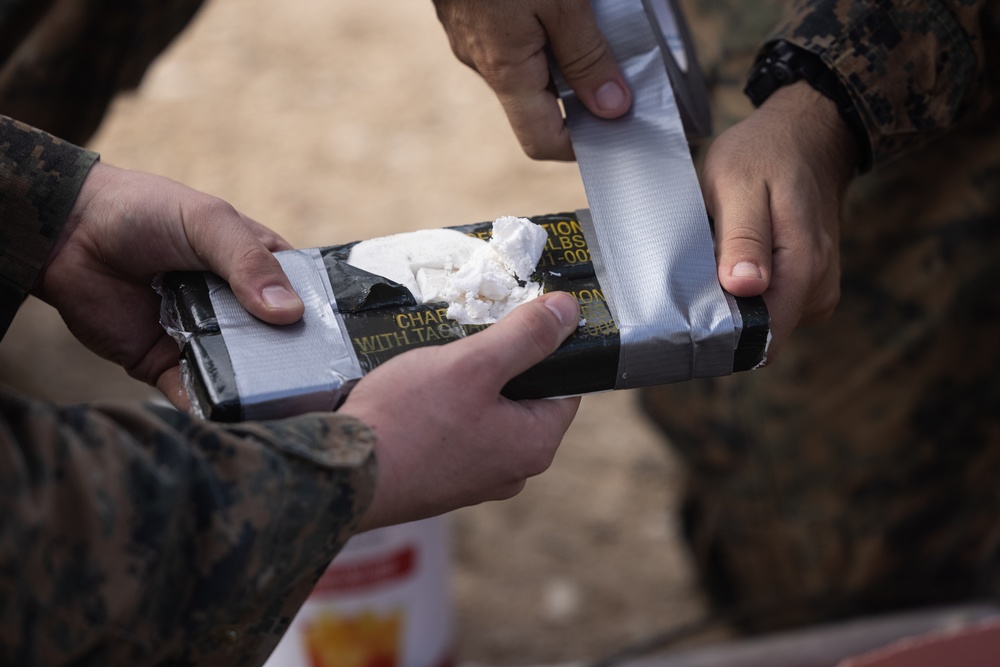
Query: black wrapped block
x=383 y=320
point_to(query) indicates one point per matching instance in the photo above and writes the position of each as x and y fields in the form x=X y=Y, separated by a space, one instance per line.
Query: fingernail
x=279 y=297
x=564 y=306
x=610 y=96
x=746 y=270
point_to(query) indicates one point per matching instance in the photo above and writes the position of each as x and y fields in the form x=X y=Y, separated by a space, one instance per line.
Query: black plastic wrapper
x=383 y=319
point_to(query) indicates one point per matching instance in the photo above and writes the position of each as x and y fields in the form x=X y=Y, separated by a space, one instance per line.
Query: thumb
x=261 y=286
x=743 y=236
x=526 y=336
x=232 y=248
x=585 y=59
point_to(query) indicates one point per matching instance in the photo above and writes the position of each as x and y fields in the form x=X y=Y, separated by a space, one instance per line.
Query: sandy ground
x=335 y=121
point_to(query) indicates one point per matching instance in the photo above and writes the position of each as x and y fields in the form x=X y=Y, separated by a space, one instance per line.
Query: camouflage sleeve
x=914 y=69
x=139 y=535
x=40 y=177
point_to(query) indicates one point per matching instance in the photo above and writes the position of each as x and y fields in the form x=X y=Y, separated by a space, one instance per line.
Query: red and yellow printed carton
x=383 y=602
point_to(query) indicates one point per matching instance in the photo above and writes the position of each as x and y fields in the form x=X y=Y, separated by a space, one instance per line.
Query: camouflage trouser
x=861 y=472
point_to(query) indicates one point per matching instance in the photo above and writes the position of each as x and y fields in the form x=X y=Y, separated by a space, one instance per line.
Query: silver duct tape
x=280 y=370
x=682 y=66
x=649 y=232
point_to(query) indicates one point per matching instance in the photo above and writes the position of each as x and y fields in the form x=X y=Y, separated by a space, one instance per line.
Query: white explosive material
x=481 y=282
x=384 y=601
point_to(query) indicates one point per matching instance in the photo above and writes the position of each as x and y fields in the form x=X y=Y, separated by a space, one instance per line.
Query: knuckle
x=826 y=305
x=468 y=51
x=497 y=65
x=215 y=210
x=206 y=220
x=508 y=491
x=535 y=150
x=506 y=76
x=271 y=240
x=542 y=145
x=586 y=63
x=746 y=236
x=253 y=258
x=254 y=253
x=537 y=465
x=534 y=463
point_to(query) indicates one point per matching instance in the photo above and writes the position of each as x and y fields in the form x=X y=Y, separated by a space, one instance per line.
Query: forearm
x=914 y=70
x=147 y=533
x=40 y=177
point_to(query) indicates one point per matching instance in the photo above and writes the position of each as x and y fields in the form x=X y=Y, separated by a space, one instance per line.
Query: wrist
x=782 y=65
x=816 y=124
x=69 y=234
x=92 y=183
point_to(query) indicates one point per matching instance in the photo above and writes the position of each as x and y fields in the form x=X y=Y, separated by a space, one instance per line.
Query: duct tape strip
x=282 y=370
x=649 y=233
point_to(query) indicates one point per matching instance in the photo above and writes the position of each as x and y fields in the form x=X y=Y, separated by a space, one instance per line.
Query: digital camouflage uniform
x=63 y=61
x=133 y=534
x=861 y=471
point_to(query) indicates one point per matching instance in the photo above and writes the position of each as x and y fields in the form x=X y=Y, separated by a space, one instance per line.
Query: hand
x=124 y=229
x=505 y=41
x=446 y=437
x=775 y=184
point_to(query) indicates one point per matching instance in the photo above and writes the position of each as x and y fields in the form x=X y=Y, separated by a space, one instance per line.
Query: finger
x=584 y=57
x=507 y=47
x=230 y=248
x=526 y=336
x=172 y=387
x=162 y=355
x=552 y=414
x=742 y=214
x=787 y=297
x=784 y=306
x=544 y=423
x=532 y=108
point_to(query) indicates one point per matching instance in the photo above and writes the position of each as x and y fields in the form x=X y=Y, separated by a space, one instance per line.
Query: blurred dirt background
x=337 y=120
